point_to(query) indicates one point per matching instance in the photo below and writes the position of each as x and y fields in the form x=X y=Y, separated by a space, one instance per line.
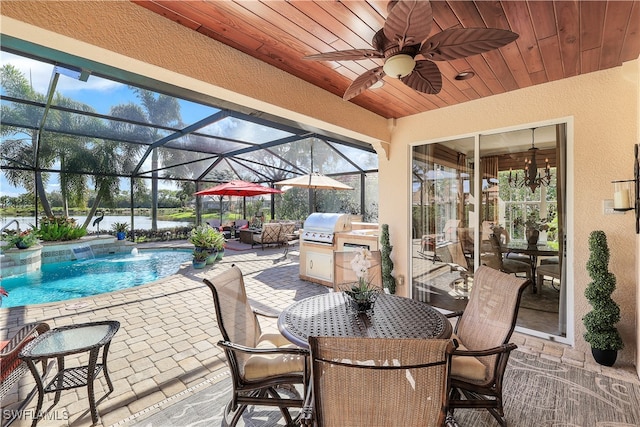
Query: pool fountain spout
x=134 y=252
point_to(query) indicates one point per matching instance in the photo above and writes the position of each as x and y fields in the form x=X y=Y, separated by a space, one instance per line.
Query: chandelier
x=533 y=178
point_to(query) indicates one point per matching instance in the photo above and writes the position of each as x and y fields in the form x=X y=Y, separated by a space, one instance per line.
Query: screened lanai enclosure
x=81 y=139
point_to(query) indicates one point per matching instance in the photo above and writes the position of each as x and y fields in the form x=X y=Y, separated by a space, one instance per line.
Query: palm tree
x=156 y=110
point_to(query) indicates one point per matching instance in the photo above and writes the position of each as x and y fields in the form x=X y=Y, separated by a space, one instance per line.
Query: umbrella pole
x=244 y=208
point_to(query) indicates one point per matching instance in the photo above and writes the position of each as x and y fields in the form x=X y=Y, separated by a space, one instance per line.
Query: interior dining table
x=533 y=251
x=331 y=314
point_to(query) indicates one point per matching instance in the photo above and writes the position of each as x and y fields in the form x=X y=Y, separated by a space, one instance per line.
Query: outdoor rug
x=237 y=246
x=538 y=392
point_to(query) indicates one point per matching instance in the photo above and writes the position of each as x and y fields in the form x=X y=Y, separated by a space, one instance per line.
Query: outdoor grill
x=321 y=227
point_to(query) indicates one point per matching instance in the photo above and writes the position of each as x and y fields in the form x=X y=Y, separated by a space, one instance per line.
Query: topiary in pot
x=601 y=333
x=388 y=281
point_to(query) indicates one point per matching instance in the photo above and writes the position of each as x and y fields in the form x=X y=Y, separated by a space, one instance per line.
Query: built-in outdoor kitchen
x=325 y=233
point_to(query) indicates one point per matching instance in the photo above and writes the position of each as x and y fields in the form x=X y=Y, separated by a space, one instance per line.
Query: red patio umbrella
x=237 y=188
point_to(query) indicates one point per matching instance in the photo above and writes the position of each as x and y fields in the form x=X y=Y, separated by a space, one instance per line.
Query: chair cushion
x=260 y=366
x=467 y=366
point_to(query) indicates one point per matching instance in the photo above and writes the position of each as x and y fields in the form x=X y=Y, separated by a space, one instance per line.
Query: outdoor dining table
x=331 y=314
x=533 y=251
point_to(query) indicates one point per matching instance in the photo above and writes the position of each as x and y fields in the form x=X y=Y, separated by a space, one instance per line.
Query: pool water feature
x=76 y=279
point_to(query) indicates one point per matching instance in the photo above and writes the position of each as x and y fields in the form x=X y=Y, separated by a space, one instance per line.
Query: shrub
x=601 y=332
x=55 y=229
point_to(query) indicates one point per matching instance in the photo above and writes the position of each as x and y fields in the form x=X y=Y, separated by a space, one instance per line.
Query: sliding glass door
x=497 y=200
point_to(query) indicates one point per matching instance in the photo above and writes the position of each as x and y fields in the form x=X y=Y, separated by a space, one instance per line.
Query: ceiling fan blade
x=345 y=55
x=409 y=22
x=425 y=78
x=463 y=42
x=363 y=82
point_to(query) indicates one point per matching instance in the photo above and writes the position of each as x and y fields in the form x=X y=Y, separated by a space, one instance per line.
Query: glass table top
x=70 y=339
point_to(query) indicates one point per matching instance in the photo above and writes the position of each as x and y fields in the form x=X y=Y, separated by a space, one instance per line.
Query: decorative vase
x=220 y=254
x=532 y=236
x=604 y=357
x=199 y=264
x=21 y=245
x=121 y=235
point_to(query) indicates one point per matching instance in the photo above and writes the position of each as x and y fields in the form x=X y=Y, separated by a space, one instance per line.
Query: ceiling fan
x=408 y=53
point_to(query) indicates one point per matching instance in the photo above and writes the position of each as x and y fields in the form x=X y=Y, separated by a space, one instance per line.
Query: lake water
x=140 y=222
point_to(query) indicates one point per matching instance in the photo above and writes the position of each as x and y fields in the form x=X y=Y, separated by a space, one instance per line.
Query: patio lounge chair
x=378 y=382
x=286 y=232
x=269 y=235
x=215 y=223
x=259 y=362
x=483 y=332
x=12 y=369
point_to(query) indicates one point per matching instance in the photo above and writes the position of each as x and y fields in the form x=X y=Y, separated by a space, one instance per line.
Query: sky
x=100 y=93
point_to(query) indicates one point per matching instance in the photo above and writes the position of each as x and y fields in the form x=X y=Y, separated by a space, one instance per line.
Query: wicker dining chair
x=483 y=332
x=12 y=368
x=344 y=276
x=260 y=363
x=378 y=382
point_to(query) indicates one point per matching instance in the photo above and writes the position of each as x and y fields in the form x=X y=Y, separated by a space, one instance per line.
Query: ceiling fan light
x=465 y=75
x=399 y=65
x=377 y=85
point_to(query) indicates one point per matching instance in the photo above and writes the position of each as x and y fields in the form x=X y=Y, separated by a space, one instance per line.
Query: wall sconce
x=624 y=197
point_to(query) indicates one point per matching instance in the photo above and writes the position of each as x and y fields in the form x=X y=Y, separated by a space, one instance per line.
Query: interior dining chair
x=344 y=276
x=496 y=260
x=378 y=382
x=261 y=364
x=550 y=271
x=13 y=369
x=483 y=332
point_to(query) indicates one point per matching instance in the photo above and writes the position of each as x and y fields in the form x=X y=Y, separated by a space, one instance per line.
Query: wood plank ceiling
x=557 y=39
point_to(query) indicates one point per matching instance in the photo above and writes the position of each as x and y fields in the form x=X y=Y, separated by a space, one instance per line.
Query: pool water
x=76 y=279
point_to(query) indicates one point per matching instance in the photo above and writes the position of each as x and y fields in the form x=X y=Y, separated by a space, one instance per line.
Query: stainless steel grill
x=321 y=227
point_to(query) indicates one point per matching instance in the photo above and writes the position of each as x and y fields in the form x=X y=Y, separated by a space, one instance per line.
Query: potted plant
x=204 y=238
x=533 y=227
x=601 y=333
x=362 y=293
x=22 y=240
x=199 y=258
x=121 y=229
x=388 y=280
x=218 y=244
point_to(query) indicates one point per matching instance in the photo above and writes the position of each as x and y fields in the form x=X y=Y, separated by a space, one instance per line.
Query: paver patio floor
x=166 y=345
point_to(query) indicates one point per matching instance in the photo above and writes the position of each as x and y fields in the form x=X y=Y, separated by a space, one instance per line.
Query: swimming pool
x=76 y=279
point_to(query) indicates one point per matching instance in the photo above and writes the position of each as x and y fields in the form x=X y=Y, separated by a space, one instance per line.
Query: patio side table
x=65 y=341
x=246 y=235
